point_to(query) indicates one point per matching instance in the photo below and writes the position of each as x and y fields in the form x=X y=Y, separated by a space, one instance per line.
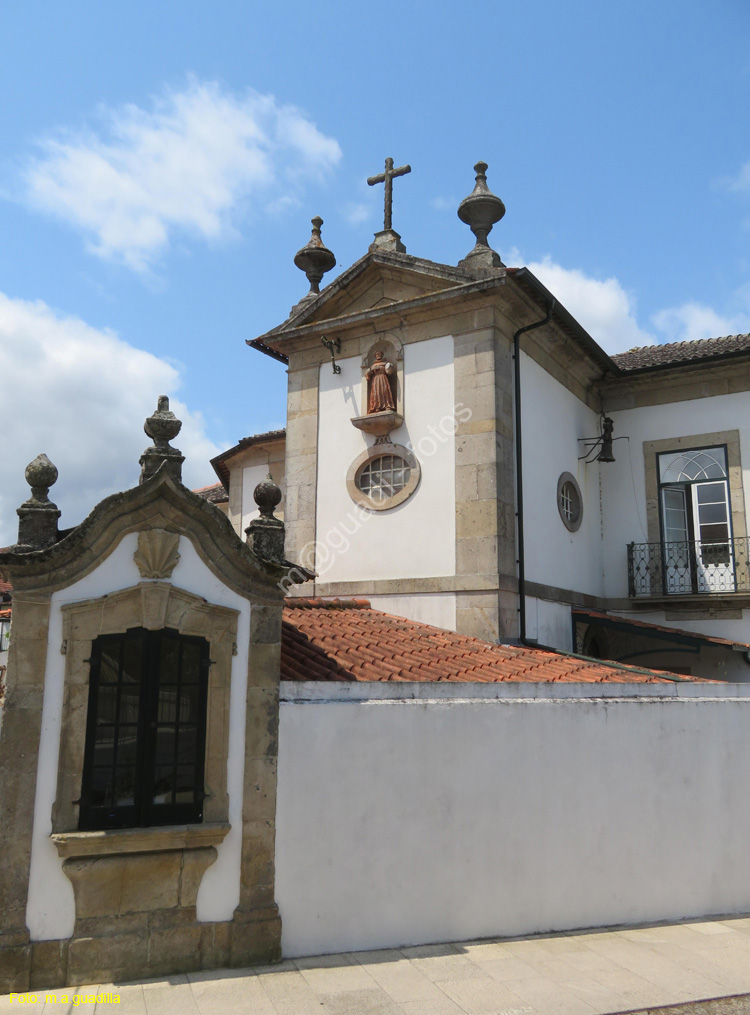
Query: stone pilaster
x=301 y=466
x=256 y=927
x=19 y=751
x=485 y=492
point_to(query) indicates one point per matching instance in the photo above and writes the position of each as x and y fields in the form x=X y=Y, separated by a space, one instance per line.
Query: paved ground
x=581 y=974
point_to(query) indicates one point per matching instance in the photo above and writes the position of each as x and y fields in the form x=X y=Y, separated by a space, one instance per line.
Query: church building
x=460 y=451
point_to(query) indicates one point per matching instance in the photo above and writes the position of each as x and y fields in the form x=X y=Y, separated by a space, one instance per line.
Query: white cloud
x=740 y=182
x=693 y=321
x=81 y=395
x=604 y=308
x=444 y=204
x=187 y=165
x=357 y=213
x=608 y=312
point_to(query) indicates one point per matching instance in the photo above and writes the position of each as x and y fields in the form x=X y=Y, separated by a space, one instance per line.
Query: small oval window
x=380 y=479
x=569 y=501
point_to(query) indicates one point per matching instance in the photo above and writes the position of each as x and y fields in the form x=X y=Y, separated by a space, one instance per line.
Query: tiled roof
x=215 y=494
x=592 y=616
x=346 y=640
x=673 y=353
x=5 y=614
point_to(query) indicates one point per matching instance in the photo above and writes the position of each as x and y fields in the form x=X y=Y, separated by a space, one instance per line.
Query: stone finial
x=480 y=211
x=161 y=427
x=37 y=517
x=265 y=535
x=315 y=259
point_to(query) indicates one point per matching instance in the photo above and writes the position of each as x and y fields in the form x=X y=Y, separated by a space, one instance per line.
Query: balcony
x=687 y=568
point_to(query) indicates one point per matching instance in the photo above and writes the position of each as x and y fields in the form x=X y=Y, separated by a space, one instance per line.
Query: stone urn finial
x=37 y=517
x=315 y=259
x=40 y=474
x=162 y=426
x=480 y=211
x=267 y=495
x=265 y=535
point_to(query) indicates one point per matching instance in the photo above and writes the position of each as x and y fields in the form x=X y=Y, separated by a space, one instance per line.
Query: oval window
x=383 y=476
x=569 y=501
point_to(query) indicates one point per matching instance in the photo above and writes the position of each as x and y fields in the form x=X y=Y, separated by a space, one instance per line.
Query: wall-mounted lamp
x=603 y=443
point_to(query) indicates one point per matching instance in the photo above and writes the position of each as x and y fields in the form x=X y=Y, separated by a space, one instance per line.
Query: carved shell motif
x=157 y=554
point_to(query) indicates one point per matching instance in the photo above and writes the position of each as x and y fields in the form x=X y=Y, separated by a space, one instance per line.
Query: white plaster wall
x=624 y=492
x=417 y=538
x=50 y=912
x=410 y=815
x=436 y=608
x=552 y=420
x=549 y=623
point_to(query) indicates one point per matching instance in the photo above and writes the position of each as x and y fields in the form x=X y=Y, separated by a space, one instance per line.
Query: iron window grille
x=146 y=731
x=384 y=477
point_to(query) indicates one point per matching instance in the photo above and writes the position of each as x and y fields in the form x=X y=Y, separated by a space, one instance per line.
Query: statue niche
x=382 y=389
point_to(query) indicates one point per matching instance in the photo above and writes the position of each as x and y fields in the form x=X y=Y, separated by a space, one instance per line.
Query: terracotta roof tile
x=215 y=494
x=348 y=640
x=673 y=353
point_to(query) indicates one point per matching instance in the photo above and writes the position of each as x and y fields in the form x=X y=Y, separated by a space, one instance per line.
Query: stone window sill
x=115 y=842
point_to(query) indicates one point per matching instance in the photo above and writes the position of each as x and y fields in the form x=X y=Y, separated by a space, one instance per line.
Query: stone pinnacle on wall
x=480 y=211
x=265 y=535
x=315 y=259
x=37 y=517
x=162 y=426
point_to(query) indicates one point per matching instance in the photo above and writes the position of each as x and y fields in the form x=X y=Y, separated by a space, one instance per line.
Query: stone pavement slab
x=700 y=968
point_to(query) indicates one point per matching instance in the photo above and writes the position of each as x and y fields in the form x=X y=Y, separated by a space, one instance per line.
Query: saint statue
x=380 y=393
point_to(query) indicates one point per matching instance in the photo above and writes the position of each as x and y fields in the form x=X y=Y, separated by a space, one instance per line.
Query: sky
x=160 y=164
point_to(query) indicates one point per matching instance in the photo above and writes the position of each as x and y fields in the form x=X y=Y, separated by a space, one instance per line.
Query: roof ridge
x=684 y=341
x=316 y=603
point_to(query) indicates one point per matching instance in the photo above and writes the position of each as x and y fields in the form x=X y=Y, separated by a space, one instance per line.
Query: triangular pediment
x=375 y=281
x=380 y=285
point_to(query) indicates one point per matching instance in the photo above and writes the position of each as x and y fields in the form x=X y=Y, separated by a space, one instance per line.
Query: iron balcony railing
x=688 y=568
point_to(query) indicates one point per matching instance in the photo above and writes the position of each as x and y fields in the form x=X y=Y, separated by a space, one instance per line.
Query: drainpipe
x=519 y=474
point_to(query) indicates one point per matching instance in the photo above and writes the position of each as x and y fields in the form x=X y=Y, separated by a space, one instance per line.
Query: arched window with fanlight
x=696 y=521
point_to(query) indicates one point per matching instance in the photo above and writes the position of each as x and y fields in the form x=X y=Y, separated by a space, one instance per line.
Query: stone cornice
x=394 y=311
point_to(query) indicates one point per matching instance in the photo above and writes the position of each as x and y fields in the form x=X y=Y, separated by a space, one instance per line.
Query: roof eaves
x=219 y=462
x=564 y=319
x=628 y=626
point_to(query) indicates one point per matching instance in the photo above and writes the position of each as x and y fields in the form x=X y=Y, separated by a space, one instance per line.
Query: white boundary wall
x=415 y=813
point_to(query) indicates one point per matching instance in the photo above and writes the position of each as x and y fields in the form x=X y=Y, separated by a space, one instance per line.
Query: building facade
x=524 y=484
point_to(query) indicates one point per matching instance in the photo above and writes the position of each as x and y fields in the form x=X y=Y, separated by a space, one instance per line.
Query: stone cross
x=387 y=178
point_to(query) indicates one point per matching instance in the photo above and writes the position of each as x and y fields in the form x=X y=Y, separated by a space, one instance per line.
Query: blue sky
x=160 y=164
